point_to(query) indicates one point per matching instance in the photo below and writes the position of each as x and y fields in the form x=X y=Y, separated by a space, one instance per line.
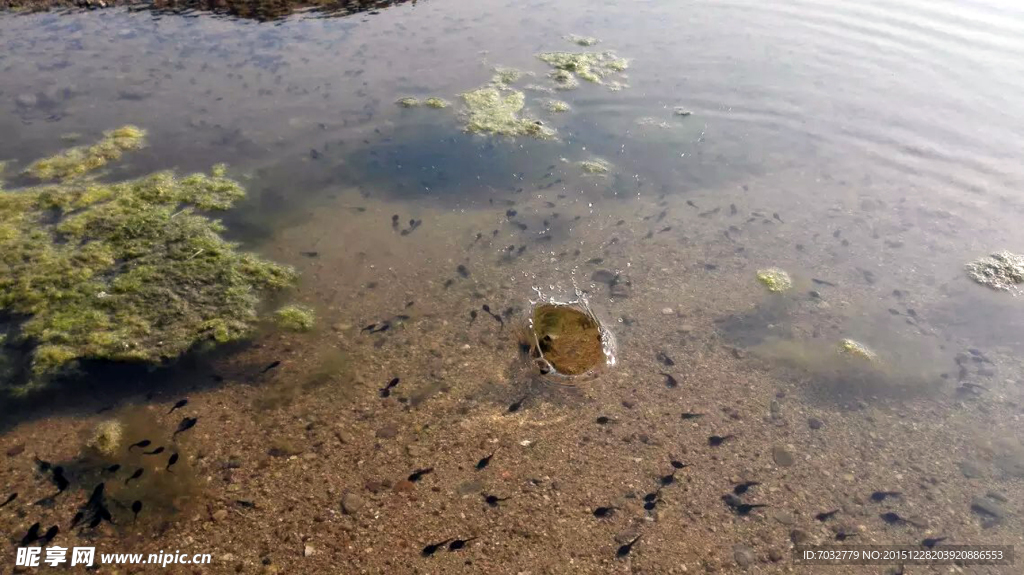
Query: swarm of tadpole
x=125 y=271
x=566 y=341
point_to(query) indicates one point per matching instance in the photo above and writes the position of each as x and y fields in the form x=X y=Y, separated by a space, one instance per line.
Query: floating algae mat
x=496 y=110
x=125 y=271
x=567 y=341
x=1001 y=271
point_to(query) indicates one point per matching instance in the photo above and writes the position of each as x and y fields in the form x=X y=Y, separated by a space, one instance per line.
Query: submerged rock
x=595 y=166
x=1001 y=271
x=125 y=271
x=567 y=340
x=774 y=279
x=491 y=110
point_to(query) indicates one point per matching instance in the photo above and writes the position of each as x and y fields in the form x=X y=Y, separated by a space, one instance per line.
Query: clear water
x=871 y=145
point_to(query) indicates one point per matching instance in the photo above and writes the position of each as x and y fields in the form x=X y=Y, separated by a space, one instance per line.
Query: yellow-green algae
x=556 y=106
x=79 y=160
x=492 y=110
x=582 y=40
x=564 y=80
x=295 y=318
x=774 y=279
x=591 y=66
x=408 y=102
x=436 y=103
x=1000 y=271
x=125 y=271
x=503 y=76
x=107 y=438
x=856 y=349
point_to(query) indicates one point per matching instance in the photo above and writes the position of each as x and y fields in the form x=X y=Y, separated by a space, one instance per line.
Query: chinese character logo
x=82 y=556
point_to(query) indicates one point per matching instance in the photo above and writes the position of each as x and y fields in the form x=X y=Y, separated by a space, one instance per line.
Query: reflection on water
x=866 y=150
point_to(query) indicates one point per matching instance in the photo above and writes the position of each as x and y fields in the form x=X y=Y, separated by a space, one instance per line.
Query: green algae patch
x=491 y=110
x=774 y=279
x=582 y=40
x=107 y=438
x=504 y=77
x=556 y=106
x=295 y=318
x=595 y=67
x=1002 y=271
x=127 y=271
x=856 y=349
x=564 y=80
x=408 y=102
x=79 y=160
x=437 y=103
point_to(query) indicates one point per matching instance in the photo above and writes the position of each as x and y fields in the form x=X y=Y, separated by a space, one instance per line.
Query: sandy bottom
x=304 y=468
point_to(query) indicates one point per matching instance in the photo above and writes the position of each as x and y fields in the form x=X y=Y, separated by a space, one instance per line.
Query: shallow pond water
x=867 y=150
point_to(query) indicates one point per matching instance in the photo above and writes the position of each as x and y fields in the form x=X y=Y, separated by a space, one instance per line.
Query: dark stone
x=782 y=457
x=352 y=503
x=387 y=432
x=603 y=277
x=986 y=506
x=16 y=450
x=798 y=536
x=971 y=469
x=815 y=423
x=743 y=555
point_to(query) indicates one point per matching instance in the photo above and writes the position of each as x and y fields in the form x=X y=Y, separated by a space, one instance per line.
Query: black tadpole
x=625 y=549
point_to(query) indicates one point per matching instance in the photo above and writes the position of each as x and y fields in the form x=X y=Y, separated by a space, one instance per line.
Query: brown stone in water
x=569 y=338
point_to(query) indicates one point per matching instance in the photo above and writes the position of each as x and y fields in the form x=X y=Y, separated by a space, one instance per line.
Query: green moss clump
x=107 y=438
x=774 y=279
x=556 y=106
x=408 y=102
x=564 y=80
x=582 y=40
x=125 y=271
x=503 y=77
x=856 y=349
x=1000 y=271
x=295 y=318
x=77 y=161
x=491 y=110
x=593 y=67
x=436 y=103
